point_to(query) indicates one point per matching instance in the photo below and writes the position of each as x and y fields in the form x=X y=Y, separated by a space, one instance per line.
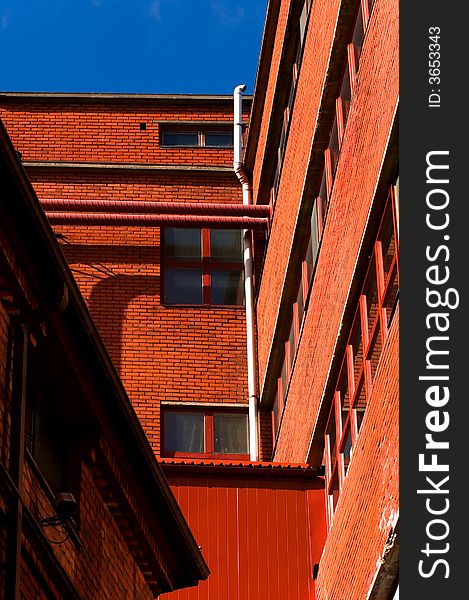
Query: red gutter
x=165 y=208
x=142 y=220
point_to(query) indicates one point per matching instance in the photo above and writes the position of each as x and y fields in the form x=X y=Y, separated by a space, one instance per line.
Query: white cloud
x=5 y=19
x=155 y=9
x=227 y=13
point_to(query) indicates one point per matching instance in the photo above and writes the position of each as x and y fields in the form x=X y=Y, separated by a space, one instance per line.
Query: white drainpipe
x=253 y=390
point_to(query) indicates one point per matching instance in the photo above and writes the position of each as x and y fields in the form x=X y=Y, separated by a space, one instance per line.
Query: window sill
x=169 y=146
x=204 y=306
x=205 y=456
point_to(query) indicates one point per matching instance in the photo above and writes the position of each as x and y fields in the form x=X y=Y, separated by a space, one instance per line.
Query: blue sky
x=130 y=46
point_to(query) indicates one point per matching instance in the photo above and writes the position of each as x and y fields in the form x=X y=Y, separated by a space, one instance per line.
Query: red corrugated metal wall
x=260 y=535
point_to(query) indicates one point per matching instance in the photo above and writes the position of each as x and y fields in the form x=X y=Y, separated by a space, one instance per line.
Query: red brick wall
x=302 y=127
x=363 y=150
x=98 y=560
x=163 y=186
x=368 y=506
x=161 y=353
x=69 y=131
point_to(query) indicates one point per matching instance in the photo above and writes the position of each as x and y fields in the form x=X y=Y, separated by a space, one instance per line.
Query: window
x=44 y=436
x=191 y=136
x=180 y=138
x=218 y=139
x=374 y=312
x=201 y=432
x=319 y=211
x=303 y=20
x=343 y=102
x=356 y=42
x=202 y=267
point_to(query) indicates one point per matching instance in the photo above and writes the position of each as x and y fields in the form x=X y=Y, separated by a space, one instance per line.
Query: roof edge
x=117 y=97
x=241 y=468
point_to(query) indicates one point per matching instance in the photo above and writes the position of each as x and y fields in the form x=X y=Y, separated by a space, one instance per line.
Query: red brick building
x=164 y=284
x=127 y=148
x=322 y=149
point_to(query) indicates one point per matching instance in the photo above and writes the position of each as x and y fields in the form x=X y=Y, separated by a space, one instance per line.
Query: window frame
x=200 y=130
x=360 y=379
x=206 y=264
x=209 y=430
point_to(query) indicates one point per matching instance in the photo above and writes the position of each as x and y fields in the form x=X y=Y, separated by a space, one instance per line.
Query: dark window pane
x=292 y=344
x=180 y=138
x=374 y=352
x=313 y=243
x=278 y=169
x=221 y=139
x=390 y=300
x=184 y=432
x=183 y=286
x=335 y=490
x=323 y=197
x=300 y=303
x=388 y=243
x=42 y=436
x=345 y=94
x=331 y=433
x=227 y=287
x=182 y=244
x=283 y=379
x=347 y=448
x=47 y=452
x=357 y=347
x=283 y=138
x=334 y=147
x=344 y=392
x=371 y=293
x=358 y=35
x=359 y=402
x=226 y=245
x=230 y=433
x=303 y=19
x=275 y=413
x=291 y=98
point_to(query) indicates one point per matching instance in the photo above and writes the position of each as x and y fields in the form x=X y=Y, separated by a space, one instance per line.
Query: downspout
x=253 y=390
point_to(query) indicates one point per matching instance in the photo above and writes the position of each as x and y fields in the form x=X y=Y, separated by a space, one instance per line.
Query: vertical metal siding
x=259 y=537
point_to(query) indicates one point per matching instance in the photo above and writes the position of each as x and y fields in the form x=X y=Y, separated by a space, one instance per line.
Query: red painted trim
x=340 y=120
x=352 y=66
x=350 y=370
x=329 y=176
x=365 y=13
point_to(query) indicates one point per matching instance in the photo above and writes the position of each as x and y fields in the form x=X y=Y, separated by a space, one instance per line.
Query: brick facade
x=162 y=353
x=365 y=520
